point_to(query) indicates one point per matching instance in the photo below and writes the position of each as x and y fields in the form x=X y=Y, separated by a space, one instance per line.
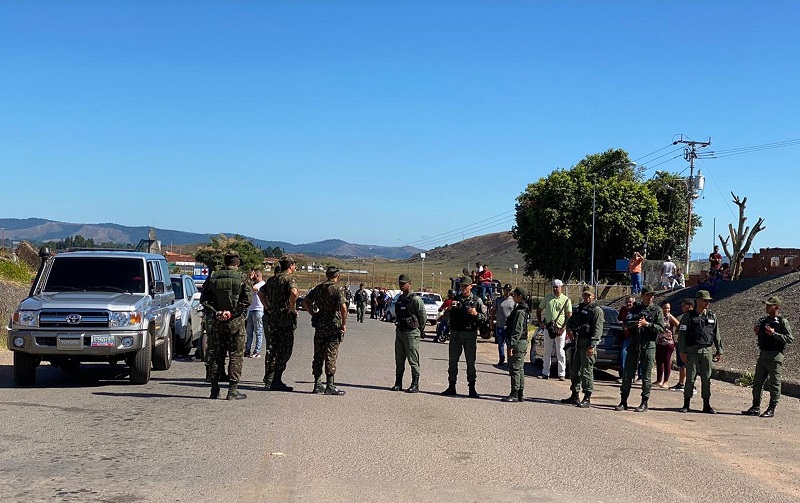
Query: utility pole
x=690 y=154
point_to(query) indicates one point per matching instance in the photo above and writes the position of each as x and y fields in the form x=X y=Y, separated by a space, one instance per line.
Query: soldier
x=585 y=327
x=644 y=321
x=279 y=296
x=466 y=312
x=226 y=296
x=699 y=331
x=410 y=315
x=361 y=299
x=774 y=333
x=328 y=307
x=516 y=328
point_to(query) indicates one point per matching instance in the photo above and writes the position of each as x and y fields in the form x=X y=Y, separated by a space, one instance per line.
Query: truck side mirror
x=158 y=287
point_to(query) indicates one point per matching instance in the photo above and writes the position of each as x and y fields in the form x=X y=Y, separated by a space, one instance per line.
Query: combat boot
x=755 y=410
x=707 y=407
x=511 y=397
x=268 y=379
x=472 y=392
x=520 y=397
x=572 y=400
x=398 y=383
x=770 y=412
x=332 y=389
x=278 y=384
x=586 y=402
x=319 y=388
x=642 y=407
x=451 y=390
x=235 y=394
x=685 y=407
x=214 y=390
x=414 y=388
x=623 y=403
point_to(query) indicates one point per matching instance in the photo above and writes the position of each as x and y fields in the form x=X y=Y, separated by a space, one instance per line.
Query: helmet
x=451 y=294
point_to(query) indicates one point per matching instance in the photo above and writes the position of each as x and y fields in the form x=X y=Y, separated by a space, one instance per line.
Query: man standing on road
x=373 y=302
x=699 y=331
x=644 y=321
x=517 y=331
x=635 y=271
x=225 y=295
x=687 y=305
x=466 y=313
x=586 y=329
x=667 y=271
x=410 y=314
x=279 y=296
x=503 y=305
x=328 y=307
x=557 y=309
x=255 y=313
x=774 y=333
x=361 y=299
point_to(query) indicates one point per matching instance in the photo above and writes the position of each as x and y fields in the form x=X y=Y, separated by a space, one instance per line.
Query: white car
x=188 y=313
x=428 y=299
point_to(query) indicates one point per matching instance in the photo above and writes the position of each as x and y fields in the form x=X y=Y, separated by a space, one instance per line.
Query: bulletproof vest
x=767 y=342
x=460 y=319
x=511 y=321
x=640 y=311
x=226 y=285
x=406 y=320
x=582 y=320
x=700 y=330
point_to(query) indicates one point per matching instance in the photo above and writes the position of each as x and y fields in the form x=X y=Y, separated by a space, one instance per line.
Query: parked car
x=609 y=348
x=188 y=322
x=429 y=300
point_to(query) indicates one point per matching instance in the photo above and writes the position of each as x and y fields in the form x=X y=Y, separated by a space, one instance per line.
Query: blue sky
x=374 y=121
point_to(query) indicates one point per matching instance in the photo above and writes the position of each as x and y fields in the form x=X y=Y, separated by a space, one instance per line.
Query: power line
x=715 y=154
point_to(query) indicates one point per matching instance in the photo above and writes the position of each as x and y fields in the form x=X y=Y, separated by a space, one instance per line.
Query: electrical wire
x=716 y=154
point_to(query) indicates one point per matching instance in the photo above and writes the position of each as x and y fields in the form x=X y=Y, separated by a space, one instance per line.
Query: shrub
x=745 y=380
x=12 y=271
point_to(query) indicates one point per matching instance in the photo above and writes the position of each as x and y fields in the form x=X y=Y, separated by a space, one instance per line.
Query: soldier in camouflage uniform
x=328 y=306
x=411 y=317
x=279 y=296
x=226 y=295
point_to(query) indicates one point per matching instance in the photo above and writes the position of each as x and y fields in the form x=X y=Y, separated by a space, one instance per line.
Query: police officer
x=328 y=305
x=644 y=321
x=774 y=333
x=279 y=297
x=226 y=297
x=410 y=321
x=699 y=331
x=466 y=312
x=516 y=333
x=585 y=327
x=361 y=299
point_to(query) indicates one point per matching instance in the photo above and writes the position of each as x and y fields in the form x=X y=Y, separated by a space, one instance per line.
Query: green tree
x=670 y=234
x=212 y=255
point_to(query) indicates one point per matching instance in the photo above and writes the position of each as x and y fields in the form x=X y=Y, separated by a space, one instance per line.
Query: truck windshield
x=103 y=274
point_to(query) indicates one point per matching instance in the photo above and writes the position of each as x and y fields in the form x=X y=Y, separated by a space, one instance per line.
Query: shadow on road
x=145 y=395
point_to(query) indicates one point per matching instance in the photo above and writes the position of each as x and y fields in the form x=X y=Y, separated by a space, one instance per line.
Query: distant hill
x=40 y=230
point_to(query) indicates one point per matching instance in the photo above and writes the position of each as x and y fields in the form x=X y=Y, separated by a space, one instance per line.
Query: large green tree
x=213 y=254
x=554 y=217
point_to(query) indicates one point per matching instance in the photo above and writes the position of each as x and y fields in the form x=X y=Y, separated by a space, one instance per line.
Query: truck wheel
x=140 y=365
x=24 y=369
x=183 y=348
x=162 y=357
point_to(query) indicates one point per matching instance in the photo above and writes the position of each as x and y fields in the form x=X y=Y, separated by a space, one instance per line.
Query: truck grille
x=73 y=319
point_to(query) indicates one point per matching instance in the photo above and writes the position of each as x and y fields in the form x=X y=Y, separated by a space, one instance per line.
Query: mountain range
x=40 y=230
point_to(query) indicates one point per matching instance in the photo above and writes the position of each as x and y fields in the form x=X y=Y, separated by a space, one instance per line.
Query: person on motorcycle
x=442 y=325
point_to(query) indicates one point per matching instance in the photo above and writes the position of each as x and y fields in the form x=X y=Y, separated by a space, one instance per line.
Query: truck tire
x=162 y=354
x=24 y=369
x=140 y=365
x=183 y=348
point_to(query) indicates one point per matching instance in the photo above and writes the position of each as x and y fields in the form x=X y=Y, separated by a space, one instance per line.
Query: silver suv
x=95 y=306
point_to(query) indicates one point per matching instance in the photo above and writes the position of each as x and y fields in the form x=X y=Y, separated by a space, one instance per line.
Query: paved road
x=92 y=437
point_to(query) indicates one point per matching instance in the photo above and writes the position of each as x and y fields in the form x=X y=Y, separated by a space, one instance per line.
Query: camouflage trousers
x=326 y=350
x=278 y=345
x=226 y=340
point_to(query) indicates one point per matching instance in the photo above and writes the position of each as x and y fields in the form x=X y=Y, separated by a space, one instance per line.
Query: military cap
x=231 y=254
x=507 y=287
x=466 y=280
x=773 y=301
x=332 y=270
x=521 y=291
x=648 y=289
x=287 y=258
x=588 y=289
x=703 y=294
x=403 y=279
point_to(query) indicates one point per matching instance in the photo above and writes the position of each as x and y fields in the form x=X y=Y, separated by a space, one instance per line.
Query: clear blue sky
x=372 y=121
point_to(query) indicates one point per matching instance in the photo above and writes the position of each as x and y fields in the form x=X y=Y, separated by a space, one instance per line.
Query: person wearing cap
x=687 y=305
x=557 y=308
x=586 y=329
x=226 y=296
x=327 y=305
x=699 y=331
x=410 y=322
x=279 y=296
x=503 y=305
x=668 y=268
x=516 y=327
x=466 y=313
x=773 y=333
x=635 y=271
x=361 y=298
x=644 y=321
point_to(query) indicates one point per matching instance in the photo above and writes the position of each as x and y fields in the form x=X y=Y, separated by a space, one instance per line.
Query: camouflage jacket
x=226 y=290
x=327 y=298
x=277 y=291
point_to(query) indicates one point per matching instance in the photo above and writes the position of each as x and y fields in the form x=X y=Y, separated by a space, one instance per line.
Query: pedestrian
x=715 y=261
x=626 y=334
x=328 y=307
x=279 y=296
x=773 y=334
x=687 y=305
x=466 y=313
x=635 y=271
x=586 y=329
x=255 y=314
x=665 y=346
x=225 y=295
x=699 y=331
x=373 y=302
x=516 y=329
x=410 y=316
x=644 y=321
x=557 y=309
x=361 y=299
x=668 y=268
x=503 y=305
x=381 y=299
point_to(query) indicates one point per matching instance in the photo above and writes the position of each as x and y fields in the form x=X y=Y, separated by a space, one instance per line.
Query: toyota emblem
x=74 y=319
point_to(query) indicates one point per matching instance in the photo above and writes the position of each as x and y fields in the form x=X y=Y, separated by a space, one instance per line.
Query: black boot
x=520 y=397
x=755 y=410
x=451 y=390
x=472 y=392
x=234 y=393
x=278 y=384
x=770 y=412
x=586 y=402
x=414 y=388
x=214 y=390
x=623 y=403
x=332 y=389
x=512 y=397
x=319 y=388
x=572 y=400
x=642 y=407
x=398 y=383
x=268 y=379
x=707 y=407
x=685 y=407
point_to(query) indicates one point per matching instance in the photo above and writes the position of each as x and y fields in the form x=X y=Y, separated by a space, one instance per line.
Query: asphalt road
x=90 y=437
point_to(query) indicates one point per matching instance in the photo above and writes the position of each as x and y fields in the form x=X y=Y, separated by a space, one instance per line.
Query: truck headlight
x=26 y=318
x=124 y=318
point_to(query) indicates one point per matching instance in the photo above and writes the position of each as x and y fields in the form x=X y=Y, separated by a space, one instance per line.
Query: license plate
x=69 y=342
x=103 y=341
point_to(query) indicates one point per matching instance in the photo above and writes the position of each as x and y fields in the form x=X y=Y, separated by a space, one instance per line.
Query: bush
x=745 y=380
x=15 y=272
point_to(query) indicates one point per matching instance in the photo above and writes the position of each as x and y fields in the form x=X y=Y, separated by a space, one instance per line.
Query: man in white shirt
x=255 y=314
x=667 y=271
x=557 y=308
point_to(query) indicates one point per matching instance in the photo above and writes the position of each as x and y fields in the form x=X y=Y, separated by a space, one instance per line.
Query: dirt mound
x=498 y=249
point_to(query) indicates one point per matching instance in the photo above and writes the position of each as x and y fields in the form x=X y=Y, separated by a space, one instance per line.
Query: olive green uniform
x=698 y=333
x=411 y=318
x=517 y=336
x=464 y=335
x=770 y=358
x=361 y=299
x=586 y=326
x=643 y=349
